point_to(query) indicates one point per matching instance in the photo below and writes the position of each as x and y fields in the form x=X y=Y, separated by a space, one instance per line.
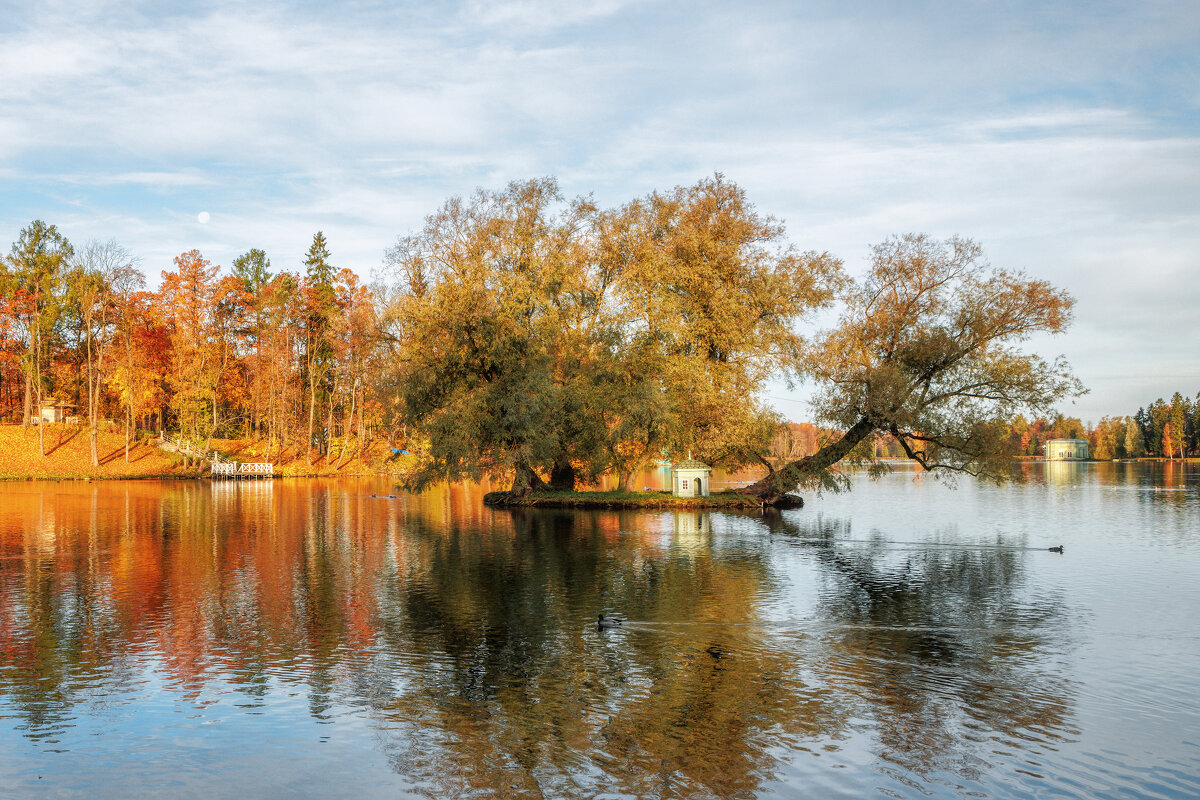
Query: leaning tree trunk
x=775 y=486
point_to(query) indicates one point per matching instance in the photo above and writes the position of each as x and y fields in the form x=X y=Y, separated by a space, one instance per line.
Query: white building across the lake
x=1066 y=449
x=690 y=478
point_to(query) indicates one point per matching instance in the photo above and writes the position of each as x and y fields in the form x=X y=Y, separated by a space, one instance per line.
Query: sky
x=1063 y=137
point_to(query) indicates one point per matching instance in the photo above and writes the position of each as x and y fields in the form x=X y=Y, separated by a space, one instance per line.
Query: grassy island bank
x=618 y=499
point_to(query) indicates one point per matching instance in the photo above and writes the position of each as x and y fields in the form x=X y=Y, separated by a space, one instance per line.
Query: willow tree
x=545 y=337
x=928 y=351
x=712 y=295
x=490 y=325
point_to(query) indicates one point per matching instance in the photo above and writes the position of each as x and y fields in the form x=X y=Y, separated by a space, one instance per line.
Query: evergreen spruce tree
x=320 y=300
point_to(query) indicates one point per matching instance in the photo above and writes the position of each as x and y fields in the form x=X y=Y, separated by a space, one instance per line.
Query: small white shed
x=54 y=411
x=690 y=478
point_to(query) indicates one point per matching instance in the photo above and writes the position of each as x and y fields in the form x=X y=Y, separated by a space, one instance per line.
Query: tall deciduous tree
x=104 y=275
x=252 y=273
x=38 y=260
x=926 y=351
x=1135 y=445
x=486 y=349
x=1177 y=419
x=711 y=294
x=188 y=296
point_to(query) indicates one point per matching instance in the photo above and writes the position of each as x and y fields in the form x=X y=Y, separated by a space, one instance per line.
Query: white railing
x=168 y=442
x=232 y=469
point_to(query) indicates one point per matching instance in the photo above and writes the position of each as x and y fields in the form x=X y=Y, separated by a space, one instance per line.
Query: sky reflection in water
x=304 y=637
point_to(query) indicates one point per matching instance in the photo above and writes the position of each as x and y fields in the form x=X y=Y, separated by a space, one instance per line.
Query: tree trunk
x=129 y=379
x=784 y=480
x=562 y=476
x=91 y=379
x=312 y=409
x=525 y=481
x=37 y=380
x=347 y=430
x=629 y=475
x=329 y=431
x=28 y=397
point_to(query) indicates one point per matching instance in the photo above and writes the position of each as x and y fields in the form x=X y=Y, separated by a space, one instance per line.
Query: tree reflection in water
x=936 y=645
x=465 y=637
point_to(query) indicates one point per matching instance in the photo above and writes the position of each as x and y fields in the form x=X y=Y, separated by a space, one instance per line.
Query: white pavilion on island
x=690 y=478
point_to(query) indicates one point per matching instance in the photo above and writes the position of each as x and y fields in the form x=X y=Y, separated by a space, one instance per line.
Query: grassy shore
x=619 y=499
x=69 y=456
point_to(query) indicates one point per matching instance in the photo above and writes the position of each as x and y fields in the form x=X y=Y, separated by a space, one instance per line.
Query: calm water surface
x=303 y=638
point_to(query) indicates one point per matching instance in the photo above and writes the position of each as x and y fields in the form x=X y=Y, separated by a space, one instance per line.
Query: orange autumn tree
x=143 y=362
x=928 y=351
x=187 y=309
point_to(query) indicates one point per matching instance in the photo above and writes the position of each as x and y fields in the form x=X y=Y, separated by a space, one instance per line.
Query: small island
x=691 y=482
x=621 y=499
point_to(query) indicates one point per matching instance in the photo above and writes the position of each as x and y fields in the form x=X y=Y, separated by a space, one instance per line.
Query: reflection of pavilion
x=1065 y=473
x=247 y=495
x=692 y=529
x=241 y=488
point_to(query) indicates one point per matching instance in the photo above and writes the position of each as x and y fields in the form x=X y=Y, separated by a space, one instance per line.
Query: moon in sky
x=203 y=217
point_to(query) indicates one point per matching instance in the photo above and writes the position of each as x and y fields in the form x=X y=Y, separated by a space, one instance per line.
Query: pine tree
x=320 y=300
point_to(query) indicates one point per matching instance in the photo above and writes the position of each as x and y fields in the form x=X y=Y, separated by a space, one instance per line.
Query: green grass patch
x=620 y=499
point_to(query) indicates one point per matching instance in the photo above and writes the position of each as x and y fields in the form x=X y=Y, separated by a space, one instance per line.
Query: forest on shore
x=1161 y=429
x=547 y=340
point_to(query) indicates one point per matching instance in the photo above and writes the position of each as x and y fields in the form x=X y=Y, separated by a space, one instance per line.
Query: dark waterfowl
x=1058 y=549
x=607 y=622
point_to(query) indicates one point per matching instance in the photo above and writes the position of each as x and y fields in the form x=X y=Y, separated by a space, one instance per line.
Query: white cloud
x=1065 y=140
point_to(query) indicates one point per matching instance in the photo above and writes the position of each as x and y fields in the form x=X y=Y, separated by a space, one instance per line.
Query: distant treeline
x=1162 y=429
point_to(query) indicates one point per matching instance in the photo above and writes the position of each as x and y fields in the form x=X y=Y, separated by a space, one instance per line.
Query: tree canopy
x=926 y=350
x=545 y=336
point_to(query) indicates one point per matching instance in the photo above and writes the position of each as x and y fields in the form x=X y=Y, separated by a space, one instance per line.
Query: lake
x=304 y=638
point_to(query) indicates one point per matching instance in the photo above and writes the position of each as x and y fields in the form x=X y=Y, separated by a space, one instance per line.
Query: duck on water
x=607 y=622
